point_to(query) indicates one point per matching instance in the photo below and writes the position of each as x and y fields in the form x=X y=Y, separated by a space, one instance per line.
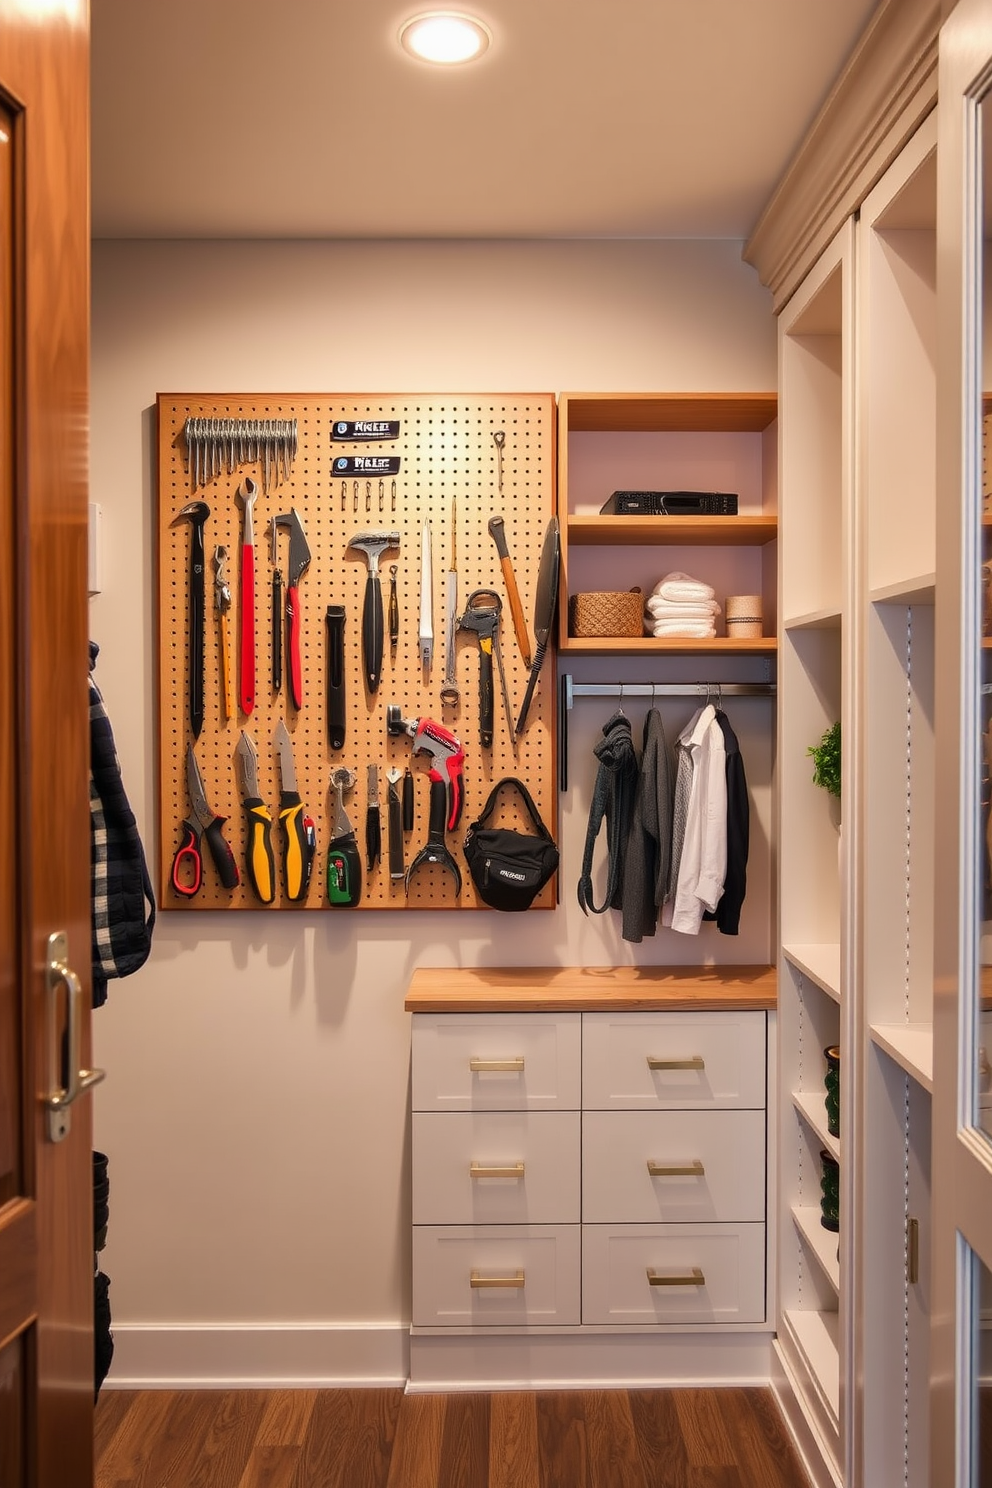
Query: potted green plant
x=826 y=760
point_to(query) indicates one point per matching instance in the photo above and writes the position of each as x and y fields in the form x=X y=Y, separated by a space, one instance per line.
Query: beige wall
x=255 y=1112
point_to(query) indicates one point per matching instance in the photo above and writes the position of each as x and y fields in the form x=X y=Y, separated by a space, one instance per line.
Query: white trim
x=809 y=1444
x=887 y=88
x=286 y=1356
x=610 y=1361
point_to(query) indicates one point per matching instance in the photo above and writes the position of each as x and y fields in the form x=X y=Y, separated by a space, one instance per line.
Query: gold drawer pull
x=694 y=1062
x=486 y=1066
x=516 y=1281
x=692 y=1169
x=658 y=1278
x=507 y=1170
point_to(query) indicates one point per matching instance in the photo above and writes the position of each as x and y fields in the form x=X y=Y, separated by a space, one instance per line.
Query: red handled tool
x=447 y=796
x=299 y=562
x=187 y=865
x=247 y=492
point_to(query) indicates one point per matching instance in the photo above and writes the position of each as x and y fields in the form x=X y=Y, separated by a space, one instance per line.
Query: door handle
x=64 y=1057
x=692 y=1169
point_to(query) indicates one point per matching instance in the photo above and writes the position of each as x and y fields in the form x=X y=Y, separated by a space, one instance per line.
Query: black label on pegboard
x=361 y=430
x=366 y=464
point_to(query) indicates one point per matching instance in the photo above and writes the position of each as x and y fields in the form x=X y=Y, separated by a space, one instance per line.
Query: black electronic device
x=670 y=504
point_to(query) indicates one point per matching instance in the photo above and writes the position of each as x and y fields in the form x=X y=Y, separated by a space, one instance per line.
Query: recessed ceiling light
x=445 y=37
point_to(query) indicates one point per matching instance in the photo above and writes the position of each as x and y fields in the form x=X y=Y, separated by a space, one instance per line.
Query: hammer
x=373 y=545
x=197 y=512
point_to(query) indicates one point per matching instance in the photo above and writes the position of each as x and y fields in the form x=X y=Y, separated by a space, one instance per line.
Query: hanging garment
x=649 y=843
x=728 y=911
x=680 y=804
x=703 y=861
x=121 y=929
x=612 y=801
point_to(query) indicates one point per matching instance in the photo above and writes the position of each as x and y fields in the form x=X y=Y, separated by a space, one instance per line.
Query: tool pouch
x=509 y=868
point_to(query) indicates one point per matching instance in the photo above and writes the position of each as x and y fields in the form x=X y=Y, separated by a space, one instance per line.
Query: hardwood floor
x=730 y=1438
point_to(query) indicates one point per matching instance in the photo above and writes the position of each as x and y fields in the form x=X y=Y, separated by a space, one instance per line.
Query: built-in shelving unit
x=896 y=505
x=663 y=441
x=856 y=644
x=815 y=351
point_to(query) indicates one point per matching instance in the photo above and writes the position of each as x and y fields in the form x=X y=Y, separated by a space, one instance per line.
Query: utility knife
x=259 y=860
x=299 y=833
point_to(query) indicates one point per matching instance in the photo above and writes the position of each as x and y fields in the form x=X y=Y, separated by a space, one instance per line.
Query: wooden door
x=46 y=1243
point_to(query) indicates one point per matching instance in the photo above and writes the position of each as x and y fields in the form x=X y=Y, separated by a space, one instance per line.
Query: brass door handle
x=516 y=1281
x=694 y=1062
x=664 y=1278
x=487 y=1066
x=59 y=976
x=692 y=1169
x=507 y=1170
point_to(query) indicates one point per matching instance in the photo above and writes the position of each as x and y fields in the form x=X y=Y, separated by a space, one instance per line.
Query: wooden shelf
x=689 y=532
x=674 y=646
x=645 y=413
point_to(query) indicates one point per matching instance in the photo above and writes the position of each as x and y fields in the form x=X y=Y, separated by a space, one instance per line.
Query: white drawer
x=668 y=1060
x=465 y=1277
x=496 y=1167
x=496 y=1061
x=724 y=1266
x=719 y=1157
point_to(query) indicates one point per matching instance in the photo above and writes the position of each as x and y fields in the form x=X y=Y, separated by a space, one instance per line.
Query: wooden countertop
x=494 y=989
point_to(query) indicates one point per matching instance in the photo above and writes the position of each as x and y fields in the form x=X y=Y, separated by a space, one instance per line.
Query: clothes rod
x=571 y=689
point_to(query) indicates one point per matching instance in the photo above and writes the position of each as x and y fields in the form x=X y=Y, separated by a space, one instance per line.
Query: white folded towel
x=664 y=609
x=694 y=629
x=682 y=588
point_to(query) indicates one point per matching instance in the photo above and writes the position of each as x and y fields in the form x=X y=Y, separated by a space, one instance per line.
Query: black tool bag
x=509 y=868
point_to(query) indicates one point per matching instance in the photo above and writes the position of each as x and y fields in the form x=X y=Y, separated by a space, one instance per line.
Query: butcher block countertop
x=590 y=989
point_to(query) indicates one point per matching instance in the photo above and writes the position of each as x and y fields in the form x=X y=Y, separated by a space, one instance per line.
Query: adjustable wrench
x=482 y=615
x=299 y=562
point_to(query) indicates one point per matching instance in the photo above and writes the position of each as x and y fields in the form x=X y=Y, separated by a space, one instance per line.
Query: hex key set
x=328 y=563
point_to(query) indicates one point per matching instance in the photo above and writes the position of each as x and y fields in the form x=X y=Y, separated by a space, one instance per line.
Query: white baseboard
x=812 y=1449
x=586 y=1361
x=282 y=1357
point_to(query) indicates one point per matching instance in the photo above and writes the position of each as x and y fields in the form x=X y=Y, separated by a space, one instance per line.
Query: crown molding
x=886 y=89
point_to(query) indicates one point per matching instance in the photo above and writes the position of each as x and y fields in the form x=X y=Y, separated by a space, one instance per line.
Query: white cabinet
x=857 y=352
x=588 y=1170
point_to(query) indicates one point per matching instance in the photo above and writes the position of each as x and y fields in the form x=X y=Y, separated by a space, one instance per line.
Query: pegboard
x=448 y=476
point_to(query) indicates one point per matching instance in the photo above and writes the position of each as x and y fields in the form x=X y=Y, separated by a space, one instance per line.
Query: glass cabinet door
x=961 y=1348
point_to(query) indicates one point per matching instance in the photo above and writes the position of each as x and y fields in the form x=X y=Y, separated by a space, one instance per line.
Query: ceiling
x=586 y=118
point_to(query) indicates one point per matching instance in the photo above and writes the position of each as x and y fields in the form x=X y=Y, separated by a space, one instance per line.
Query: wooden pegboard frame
x=448 y=456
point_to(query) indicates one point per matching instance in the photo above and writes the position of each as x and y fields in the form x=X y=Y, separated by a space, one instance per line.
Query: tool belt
x=509 y=868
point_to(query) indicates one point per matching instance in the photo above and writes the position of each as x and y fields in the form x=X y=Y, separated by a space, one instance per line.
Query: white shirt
x=703 y=864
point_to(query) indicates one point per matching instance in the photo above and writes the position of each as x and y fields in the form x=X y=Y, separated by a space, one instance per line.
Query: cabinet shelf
x=911 y=1046
x=820 y=1242
x=813 y=1336
x=821 y=963
x=668 y=441
x=810 y=1105
x=688 y=532
x=676 y=646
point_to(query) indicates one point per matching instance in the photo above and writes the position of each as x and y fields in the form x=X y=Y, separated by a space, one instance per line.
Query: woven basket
x=603 y=614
